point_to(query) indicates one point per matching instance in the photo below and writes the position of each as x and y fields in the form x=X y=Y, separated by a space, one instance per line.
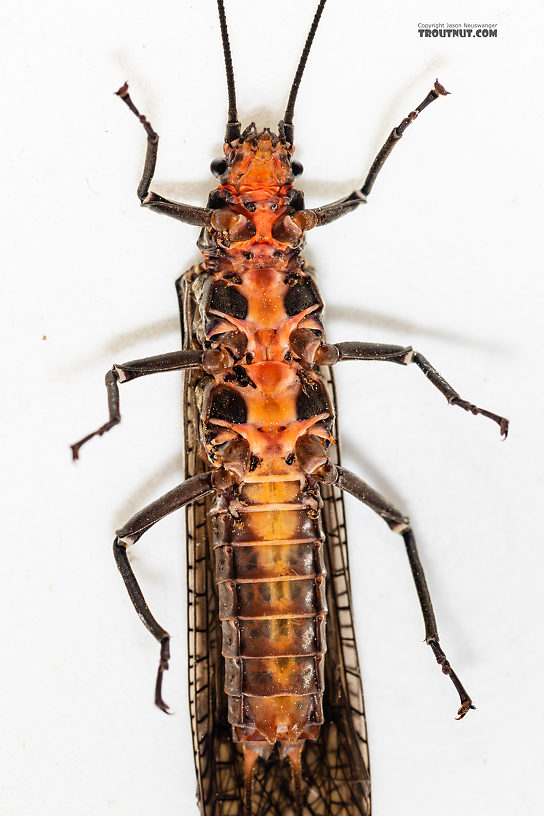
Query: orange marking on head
x=258 y=160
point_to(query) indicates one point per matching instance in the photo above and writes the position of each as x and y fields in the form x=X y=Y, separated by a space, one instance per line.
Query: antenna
x=286 y=126
x=233 y=125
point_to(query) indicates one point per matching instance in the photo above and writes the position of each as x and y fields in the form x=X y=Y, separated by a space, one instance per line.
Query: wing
x=345 y=652
x=337 y=764
x=218 y=773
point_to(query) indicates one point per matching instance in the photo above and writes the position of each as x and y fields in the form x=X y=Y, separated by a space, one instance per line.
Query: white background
x=446 y=256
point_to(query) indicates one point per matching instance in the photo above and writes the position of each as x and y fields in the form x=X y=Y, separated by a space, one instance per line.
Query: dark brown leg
x=197 y=216
x=330 y=212
x=396 y=134
x=401 y=524
x=330 y=354
x=453 y=397
x=174 y=361
x=431 y=630
x=144 y=613
x=152 y=143
x=189 y=491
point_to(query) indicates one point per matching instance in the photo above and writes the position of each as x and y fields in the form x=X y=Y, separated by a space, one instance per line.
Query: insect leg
x=189 y=491
x=401 y=524
x=174 y=361
x=330 y=212
x=330 y=354
x=197 y=216
x=396 y=134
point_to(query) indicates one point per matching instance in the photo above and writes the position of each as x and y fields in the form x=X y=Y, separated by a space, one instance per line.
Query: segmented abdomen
x=271 y=580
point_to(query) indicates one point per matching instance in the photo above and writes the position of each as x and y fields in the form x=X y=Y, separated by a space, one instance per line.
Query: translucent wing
x=337 y=764
x=218 y=779
x=334 y=524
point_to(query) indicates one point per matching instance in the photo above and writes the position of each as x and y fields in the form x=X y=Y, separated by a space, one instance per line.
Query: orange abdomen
x=271 y=581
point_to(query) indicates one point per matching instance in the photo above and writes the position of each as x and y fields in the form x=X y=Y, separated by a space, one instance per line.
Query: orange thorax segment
x=272 y=404
x=265 y=290
x=267 y=326
x=263 y=205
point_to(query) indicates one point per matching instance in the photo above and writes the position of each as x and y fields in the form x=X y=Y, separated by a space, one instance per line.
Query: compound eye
x=296 y=168
x=218 y=167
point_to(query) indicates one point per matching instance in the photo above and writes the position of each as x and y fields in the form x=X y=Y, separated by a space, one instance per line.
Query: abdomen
x=272 y=607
